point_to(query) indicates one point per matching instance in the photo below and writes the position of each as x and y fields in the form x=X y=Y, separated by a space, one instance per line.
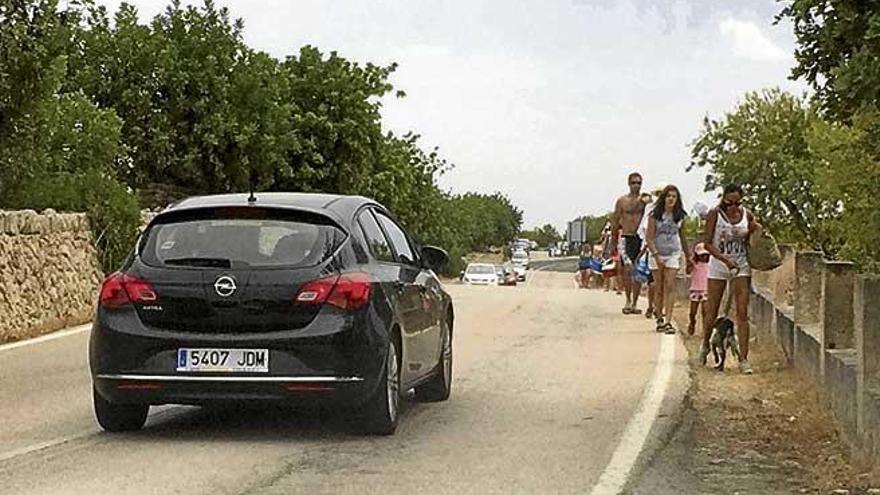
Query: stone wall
x=829 y=329
x=49 y=272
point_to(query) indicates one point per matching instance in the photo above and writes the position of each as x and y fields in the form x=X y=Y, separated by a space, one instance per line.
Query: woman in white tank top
x=728 y=228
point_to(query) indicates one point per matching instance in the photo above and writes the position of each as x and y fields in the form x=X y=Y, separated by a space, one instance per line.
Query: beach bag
x=764 y=253
x=596 y=265
x=609 y=269
x=641 y=271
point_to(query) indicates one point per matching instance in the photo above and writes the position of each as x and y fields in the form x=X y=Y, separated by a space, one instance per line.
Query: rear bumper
x=337 y=359
x=205 y=390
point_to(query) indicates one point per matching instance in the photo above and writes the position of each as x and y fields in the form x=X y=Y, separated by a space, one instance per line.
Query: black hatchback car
x=297 y=298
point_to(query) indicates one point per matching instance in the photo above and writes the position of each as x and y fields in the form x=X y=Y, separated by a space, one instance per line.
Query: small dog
x=723 y=337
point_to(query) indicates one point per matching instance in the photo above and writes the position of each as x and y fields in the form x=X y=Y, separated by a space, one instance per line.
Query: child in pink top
x=699 y=285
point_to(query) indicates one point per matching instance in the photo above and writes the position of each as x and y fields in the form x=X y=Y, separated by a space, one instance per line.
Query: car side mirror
x=434 y=258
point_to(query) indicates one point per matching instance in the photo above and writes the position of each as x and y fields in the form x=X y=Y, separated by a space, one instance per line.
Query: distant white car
x=480 y=274
x=520 y=260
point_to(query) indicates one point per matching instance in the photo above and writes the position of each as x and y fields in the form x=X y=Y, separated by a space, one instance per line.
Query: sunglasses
x=728 y=204
x=636 y=183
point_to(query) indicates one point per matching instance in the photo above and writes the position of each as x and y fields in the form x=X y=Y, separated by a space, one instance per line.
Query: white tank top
x=732 y=239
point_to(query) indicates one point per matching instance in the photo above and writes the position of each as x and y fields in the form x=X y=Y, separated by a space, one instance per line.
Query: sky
x=552 y=102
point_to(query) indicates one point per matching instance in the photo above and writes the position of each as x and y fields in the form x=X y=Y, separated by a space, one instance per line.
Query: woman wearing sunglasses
x=728 y=227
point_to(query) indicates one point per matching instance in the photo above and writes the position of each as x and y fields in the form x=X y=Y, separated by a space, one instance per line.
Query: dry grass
x=774 y=426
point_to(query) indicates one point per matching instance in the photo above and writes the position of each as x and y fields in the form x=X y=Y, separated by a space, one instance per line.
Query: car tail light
x=346 y=291
x=121 y=288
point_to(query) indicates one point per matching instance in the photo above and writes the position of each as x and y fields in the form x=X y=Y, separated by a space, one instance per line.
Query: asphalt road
x=554 y=392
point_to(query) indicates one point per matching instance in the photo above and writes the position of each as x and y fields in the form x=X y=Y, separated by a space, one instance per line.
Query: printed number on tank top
x=731 y=244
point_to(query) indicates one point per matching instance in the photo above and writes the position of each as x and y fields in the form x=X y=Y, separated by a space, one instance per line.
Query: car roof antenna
x=251 y=199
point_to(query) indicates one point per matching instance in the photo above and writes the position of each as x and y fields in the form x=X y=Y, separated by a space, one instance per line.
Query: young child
x=699 y=285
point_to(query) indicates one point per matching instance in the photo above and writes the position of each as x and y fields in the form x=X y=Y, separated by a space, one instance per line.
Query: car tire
x=381 y=412
x=438 y=388
x=119 y=417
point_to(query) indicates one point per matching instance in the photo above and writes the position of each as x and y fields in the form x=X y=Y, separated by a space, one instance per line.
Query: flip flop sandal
x=635 y=311
x=649 y=313
x=626 y=310
x=668 y=329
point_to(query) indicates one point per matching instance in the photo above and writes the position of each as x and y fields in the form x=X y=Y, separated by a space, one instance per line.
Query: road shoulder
x=768 y=433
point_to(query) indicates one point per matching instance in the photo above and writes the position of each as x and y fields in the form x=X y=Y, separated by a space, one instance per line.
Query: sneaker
x=669 y=328
x=745 y=367
x=661 y=325
x=704 y=354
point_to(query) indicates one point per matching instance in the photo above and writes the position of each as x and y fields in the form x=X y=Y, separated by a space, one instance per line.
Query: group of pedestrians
x=648 y=242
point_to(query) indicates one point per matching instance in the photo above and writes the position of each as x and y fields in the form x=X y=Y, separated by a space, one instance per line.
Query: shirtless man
x=628 y=211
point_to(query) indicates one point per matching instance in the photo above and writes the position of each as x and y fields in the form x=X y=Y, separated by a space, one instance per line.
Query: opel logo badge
x=225 y=286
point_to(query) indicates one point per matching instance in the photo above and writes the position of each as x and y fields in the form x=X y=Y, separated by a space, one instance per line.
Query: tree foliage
x=181 y=105
x=764 y=145
x=810 y=180
x=594 y=225
x=838 y=52
x=544 y=236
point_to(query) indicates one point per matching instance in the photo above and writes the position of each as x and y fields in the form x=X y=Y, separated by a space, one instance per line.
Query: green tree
x=847 y=176
x=57 y=149
x=334 y=110
x=594 y=225
x=543 y=236
x=837 y=52
x=32 y=65
x=763 y=145
x=201 y=111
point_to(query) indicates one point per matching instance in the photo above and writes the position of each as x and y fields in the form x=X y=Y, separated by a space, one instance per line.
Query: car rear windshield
x=241 y=238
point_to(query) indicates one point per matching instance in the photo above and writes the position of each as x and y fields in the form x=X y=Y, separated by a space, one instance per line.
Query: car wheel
x=381 y=411
x=119 y=417
x=440 y=386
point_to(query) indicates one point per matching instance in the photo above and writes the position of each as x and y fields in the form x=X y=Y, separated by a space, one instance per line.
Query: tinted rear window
x=241 y=237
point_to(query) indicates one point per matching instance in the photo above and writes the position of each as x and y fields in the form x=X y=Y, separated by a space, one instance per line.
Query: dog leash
x=728 y=294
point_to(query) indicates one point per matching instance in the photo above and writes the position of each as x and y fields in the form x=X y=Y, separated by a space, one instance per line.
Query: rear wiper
x=195 y=261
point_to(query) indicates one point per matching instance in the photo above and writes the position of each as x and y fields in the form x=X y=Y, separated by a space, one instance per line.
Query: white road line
x=45 y=338
x=5 y=456
x=536 y=270
x=633 y=439
x=155 y=412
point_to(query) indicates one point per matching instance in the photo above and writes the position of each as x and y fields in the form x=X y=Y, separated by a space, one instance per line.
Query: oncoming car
x=291 y=298
x=480 y=274
x=520 y=260
x=507 y=275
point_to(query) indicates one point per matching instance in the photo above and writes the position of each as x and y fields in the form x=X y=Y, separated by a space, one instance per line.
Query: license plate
x=229 y=360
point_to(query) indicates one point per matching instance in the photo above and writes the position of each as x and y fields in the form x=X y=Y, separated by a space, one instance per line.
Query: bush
x=114 y=220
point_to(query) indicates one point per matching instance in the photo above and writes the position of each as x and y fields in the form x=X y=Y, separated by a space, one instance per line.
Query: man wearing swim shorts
x=628 y=212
